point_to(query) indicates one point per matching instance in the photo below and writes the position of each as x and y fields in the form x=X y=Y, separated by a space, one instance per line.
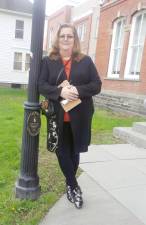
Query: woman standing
x=79 y=80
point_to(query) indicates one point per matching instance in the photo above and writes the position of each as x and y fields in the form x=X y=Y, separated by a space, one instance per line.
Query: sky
x=53 y=5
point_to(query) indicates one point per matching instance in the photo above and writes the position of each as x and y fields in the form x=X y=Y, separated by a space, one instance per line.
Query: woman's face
x=66 y=39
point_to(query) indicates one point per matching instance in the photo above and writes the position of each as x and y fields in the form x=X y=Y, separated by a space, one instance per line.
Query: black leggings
x=67 y=158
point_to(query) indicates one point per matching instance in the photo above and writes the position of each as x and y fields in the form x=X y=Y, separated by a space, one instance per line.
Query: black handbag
x=47 y=108
x=52 y=128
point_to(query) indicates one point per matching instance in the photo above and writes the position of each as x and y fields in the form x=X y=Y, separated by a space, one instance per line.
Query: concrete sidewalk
x=114 y=189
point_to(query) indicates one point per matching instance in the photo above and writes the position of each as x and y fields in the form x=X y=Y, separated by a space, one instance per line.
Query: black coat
x=87 y=81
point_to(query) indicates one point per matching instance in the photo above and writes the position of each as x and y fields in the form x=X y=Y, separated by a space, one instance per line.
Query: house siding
x=9 y=45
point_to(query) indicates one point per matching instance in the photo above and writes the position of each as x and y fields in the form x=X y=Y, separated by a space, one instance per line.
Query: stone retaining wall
x=120 y=102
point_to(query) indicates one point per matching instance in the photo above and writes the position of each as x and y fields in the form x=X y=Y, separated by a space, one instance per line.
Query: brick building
x=121 y=54
x=82 y=22
x=85 y=16
x=60 y=16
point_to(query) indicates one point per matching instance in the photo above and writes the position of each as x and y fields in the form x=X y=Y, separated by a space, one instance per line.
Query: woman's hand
x=64 y=83
x=69 y=92
x=74 y=89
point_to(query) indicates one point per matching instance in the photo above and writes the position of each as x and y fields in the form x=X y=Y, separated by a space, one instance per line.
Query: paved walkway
x=114 y=189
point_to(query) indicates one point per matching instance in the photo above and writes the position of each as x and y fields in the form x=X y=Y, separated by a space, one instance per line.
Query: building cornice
x=111 y=4
x=15 y=13
x=18 y=13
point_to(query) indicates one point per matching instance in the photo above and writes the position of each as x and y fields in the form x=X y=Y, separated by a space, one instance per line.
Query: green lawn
x=104 y=122
x=21 y=212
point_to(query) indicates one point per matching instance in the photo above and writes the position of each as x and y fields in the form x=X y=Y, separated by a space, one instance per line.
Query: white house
x=15 y=38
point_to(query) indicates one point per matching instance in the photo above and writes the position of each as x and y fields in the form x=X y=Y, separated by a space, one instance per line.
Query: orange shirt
x=67 y=70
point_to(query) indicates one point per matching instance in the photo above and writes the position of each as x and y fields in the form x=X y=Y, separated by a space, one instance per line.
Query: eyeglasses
x=67 y=36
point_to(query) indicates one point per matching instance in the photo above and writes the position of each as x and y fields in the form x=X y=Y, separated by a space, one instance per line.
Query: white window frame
x=127 y=75
x=27 y=63
x=18 y=61
x=96 y=27
x=23 y=68
x=120 y=47
x=50 y=37
x=17 y=29
x=81 y=30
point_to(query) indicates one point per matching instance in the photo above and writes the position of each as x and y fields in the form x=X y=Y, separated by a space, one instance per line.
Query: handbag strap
x=62 y=69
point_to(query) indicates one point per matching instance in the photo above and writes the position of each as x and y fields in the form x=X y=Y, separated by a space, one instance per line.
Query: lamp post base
x=27 y=185
x=26 y=190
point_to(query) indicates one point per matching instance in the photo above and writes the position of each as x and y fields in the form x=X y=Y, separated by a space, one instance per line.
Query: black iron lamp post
x=27 y=186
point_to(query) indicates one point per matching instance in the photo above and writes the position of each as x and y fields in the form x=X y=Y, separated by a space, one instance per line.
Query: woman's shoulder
x=48 y=60
x=45 y=59
x=86 y=58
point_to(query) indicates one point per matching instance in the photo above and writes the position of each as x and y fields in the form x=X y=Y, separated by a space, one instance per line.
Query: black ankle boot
x=69 y=193
x=78 y=200
x=79 y=189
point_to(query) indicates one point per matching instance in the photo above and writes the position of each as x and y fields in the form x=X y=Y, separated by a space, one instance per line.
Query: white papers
x=65 y=101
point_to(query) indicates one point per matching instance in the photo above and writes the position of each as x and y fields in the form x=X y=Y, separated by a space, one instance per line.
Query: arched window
x=50 y=37
x=136 y=45
x=81 y=29
x=116 y=48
